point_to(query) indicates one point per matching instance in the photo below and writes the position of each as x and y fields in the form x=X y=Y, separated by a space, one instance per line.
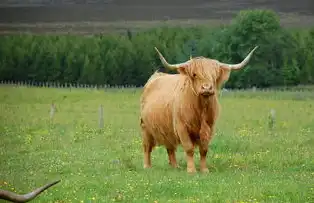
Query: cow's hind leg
x=148 y=144
x=172 y=157
x=147 y=148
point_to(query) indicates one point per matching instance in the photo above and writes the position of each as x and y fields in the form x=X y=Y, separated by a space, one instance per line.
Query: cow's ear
x=223 y=76
x=182 y=70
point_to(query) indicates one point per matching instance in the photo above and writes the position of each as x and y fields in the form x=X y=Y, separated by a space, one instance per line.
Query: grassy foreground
x=248 y=162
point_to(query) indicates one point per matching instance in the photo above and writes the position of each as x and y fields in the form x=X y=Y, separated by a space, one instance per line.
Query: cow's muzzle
x=207 y=91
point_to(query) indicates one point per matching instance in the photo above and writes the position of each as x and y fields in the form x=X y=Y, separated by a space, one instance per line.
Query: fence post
x=52 y=110
x=271 y=119
x=101 y=116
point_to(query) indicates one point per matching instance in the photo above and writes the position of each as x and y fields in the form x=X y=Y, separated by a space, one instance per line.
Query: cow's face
x=203 y=74
x=206 y=74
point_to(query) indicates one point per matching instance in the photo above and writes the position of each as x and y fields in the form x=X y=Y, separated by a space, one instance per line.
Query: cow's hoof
x=204 y=170
x=174 y=165
x=147 y=166
x=191 y=170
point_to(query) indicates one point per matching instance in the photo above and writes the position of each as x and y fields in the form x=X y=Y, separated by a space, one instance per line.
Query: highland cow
x=182 y=109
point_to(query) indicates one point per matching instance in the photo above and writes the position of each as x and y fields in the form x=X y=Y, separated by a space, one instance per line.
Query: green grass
x=248 y=162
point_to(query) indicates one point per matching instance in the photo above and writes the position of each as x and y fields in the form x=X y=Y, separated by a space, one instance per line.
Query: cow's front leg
x=188 y=147
x=205 y=137
x=189 y=151
x=203 y=153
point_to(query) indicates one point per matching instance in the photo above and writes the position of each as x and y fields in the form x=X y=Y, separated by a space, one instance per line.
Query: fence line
x=299 y=88
x=65 y=85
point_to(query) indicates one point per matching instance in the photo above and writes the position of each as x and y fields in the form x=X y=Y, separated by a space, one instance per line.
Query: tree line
x=285 y=56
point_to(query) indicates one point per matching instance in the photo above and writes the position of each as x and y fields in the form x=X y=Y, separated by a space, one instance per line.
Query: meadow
x=248 y=160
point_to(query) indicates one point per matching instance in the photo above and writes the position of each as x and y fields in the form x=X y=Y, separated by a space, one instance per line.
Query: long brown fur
x=174 y=112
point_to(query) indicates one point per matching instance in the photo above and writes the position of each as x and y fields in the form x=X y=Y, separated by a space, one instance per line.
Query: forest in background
x=285 y=55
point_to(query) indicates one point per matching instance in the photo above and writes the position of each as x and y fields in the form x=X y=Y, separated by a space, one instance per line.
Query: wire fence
x=298 y=88
x=65 y=85
x=294 y=93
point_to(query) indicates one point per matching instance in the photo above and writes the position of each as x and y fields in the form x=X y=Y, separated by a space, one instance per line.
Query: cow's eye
x=194 y=75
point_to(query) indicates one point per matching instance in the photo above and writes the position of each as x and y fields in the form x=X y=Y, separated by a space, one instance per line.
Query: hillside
x=13 y=13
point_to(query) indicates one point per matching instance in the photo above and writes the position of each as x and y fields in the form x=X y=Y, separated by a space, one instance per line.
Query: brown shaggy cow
x=182 y=108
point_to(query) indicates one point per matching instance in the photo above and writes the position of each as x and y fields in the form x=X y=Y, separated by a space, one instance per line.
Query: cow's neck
x=207 y=103
x=195 y=109
x=201 y=104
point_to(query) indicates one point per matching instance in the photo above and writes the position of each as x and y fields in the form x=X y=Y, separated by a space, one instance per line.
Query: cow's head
x=206 y=74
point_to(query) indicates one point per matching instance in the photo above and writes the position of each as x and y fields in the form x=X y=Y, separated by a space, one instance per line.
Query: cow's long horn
x=239 y=65
x=13 y=197
x=170 y=66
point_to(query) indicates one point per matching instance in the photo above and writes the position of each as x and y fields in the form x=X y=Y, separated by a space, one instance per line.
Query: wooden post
x=52 y=110
x=101 y=116
x=271 y=119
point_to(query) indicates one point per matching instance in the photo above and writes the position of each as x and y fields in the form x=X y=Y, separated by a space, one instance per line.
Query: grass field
x=248 y=161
